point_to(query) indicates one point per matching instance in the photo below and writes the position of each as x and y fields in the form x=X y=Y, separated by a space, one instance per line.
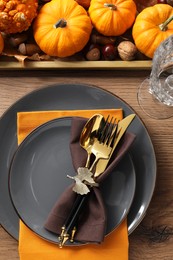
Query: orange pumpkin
x=112 y=17
x=1 y=43
x=17 y=15
x=152 y=26
x=62 y=28
x=84 y=3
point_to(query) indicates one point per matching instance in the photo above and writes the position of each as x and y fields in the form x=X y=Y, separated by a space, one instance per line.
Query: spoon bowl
x=89 y=134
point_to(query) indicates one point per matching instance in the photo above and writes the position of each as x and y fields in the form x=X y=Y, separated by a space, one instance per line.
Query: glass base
x=150 y=105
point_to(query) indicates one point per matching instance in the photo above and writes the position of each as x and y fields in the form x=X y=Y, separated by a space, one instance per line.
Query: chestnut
x=109 y=52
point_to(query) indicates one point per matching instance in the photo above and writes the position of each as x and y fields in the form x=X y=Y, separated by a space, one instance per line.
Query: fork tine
x=107 y=131
x=100 y=129
x=104 y=130
x=112 y=132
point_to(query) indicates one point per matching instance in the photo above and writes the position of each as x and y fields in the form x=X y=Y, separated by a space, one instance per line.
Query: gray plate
x=38 y=176
x=76 y=96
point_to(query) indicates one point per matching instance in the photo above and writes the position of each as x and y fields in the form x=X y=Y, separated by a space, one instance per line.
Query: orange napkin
x=31 y=246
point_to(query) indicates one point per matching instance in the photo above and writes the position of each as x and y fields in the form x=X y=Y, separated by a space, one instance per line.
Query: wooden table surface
x=153 y=238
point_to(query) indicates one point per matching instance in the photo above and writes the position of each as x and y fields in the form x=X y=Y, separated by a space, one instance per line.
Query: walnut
x=127 y=50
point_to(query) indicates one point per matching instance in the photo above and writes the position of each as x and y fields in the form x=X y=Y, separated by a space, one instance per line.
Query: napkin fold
x=33 y=247
x=92 y=222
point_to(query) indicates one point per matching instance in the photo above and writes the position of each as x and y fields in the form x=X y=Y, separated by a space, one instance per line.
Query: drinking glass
x=155 y=94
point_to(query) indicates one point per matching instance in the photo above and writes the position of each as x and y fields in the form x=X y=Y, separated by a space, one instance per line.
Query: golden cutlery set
x=99 y=138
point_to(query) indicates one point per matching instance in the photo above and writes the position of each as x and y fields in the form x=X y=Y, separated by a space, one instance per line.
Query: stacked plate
x=33 y=175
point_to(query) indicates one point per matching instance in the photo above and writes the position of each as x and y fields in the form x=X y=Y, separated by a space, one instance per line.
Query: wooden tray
x=90 y=65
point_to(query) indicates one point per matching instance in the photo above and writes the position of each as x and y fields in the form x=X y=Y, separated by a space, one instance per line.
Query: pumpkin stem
x=163 y=26
x=111 y=6
x=60 y=23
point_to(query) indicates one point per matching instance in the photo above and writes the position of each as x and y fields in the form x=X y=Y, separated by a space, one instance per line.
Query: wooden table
x=153 y=238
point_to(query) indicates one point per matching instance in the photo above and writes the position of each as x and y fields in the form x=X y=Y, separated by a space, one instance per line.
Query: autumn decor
x=84 y=3
x=17 y=15
x=62 y=28
x=152 y=26
x=112 y=17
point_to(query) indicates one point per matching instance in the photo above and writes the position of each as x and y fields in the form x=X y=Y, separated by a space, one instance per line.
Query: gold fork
x=103 y=144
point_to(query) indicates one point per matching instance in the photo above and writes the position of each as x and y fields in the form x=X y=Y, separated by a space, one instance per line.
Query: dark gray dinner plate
x=76 y=96
x=38 y=176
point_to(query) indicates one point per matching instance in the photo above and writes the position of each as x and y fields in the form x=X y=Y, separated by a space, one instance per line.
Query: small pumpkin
x=1 y=43
x=62 y=28
x=84 y=3
x=112 y=17
x=17 y=15
x=152 y=26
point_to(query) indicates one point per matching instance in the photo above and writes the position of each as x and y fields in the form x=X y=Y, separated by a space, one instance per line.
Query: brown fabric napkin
x=92 y=222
